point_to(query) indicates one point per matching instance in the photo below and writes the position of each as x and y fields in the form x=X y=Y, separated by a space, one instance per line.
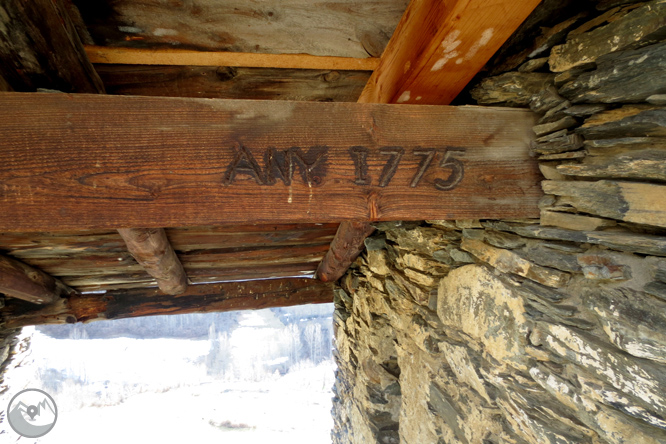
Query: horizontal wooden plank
x=206 y=298
x=86 y=161
x=196 y=276
x=346 y=28
x=234 y=83
x=184 y=57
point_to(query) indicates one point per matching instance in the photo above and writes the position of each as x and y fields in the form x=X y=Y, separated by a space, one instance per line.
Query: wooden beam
x=95 y=161
x=205 y=298
x=439 y=46
x=152 y=250
x=40 y=48
x=345 y=248
x=182 y=57
x=20 y=280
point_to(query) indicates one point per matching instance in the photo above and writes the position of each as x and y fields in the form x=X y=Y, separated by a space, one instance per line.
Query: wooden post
x=152 y=250
x=204 y=298
x=22 y=281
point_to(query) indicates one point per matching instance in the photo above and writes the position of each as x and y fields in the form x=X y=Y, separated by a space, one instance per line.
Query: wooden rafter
x=203 y=298
x=434 y=52
x=21 y=281
x=439 y=46
x=182 y=57
x=40 y=48
x=152 y=250
x=161 y=162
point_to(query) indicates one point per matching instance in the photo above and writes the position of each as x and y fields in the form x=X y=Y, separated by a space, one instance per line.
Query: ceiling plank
x=439 y=46
x=40 y=48
x=99 y=161
x=21 y=281
x=152 y=250
x=183 y=57
x=345 y=248
x=204 y=298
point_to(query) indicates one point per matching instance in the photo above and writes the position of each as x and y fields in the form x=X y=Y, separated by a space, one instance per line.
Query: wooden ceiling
x=384 y=51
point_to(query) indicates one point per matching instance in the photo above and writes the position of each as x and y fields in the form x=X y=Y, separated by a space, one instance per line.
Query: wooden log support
x=205 y=298
x=21 y=281
x=165 y=162
x=152 y=250
x=182 y=57
x=345 y=248
x=438 y=47
x=40 y=48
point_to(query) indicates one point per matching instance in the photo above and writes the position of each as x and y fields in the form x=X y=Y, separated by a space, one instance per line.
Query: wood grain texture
x=207 y=298
x=94 y=260
x=345 y=248
x=40 y=48
x=19 y=280
x=234 y=83
x=346 y=28
x=93 y=161
x=152 y=250
x=184 y=57
x=438 y=47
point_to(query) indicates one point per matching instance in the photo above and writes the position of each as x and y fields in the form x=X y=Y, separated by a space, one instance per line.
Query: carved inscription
x=311 y=165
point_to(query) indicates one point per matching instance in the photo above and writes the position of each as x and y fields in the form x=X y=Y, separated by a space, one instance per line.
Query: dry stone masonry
x=530 y=331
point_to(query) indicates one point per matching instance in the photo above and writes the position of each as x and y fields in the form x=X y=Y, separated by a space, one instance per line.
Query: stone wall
x=530 y=331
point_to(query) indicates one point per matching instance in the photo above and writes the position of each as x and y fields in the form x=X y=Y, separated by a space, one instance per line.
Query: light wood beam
x=439 y=46
x=345 y=248
x=152 y=250
x=40 y=48
x=183 y=57
x=204 y=298
x=21 y=281
x=100 y=161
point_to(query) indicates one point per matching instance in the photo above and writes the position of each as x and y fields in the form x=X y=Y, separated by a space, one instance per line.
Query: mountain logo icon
x=32 y=413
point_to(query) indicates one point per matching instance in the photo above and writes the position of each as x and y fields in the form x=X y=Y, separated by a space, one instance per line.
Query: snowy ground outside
x=159 y=390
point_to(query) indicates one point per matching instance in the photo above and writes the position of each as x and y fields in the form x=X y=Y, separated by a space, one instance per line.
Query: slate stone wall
x=530 y=331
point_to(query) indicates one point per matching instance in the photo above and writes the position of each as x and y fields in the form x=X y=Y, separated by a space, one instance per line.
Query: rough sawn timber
x=152 y=250
x=205 y=298
x=92 y=161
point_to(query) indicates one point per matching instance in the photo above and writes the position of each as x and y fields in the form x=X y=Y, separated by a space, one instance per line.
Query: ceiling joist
x=21 y=281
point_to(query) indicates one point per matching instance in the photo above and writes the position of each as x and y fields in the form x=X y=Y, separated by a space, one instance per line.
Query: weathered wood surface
x=641 y=203
x=438 y=47
x=184 y=57
x=19 y=280
x=345 y=248
x=641 y=25
x=40 y=48
x=346 y=28
x=234 y=83
x=120 y=304
x=98 y=260
x=159 y=162
x=152 y=250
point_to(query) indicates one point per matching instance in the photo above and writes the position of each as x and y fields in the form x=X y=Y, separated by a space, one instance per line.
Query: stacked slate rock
x=531 y=331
